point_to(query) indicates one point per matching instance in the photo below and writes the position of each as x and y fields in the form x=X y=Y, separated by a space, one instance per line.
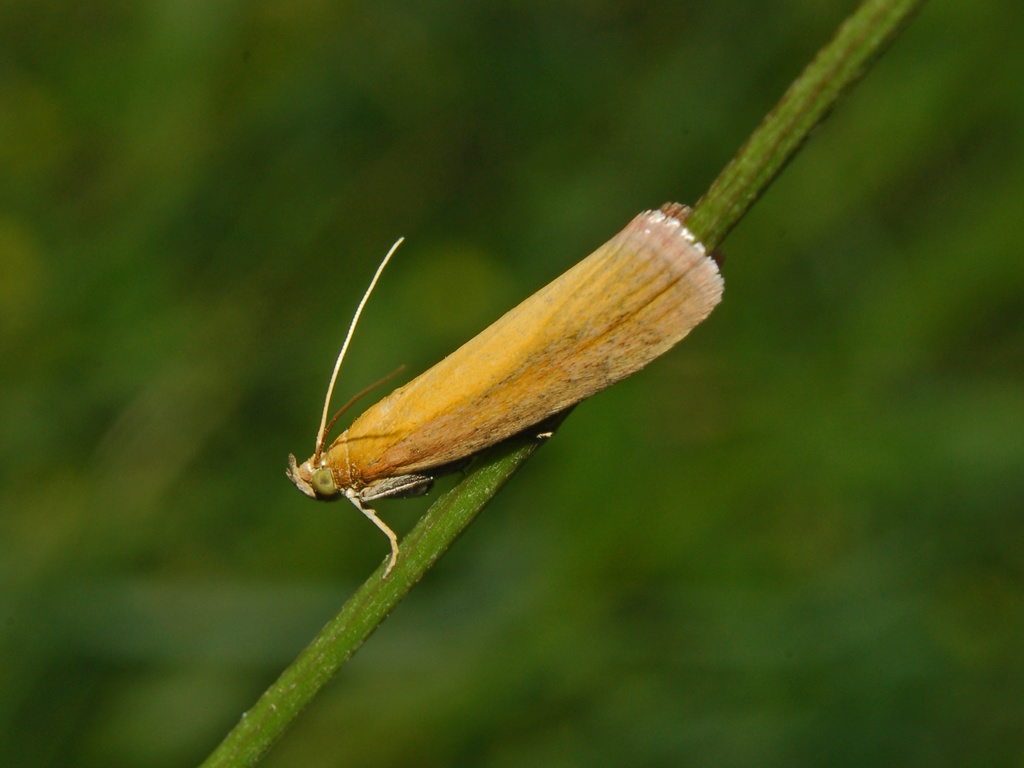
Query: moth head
x=317 y=483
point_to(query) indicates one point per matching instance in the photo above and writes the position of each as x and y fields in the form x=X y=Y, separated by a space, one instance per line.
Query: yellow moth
x=627 y=303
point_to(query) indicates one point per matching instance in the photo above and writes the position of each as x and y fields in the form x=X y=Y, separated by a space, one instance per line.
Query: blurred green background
x=797 y=539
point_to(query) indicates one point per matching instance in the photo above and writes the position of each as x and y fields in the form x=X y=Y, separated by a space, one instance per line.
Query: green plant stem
x=860 y=40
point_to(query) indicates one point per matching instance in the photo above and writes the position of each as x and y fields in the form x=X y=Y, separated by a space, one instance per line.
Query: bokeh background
x=795 y=540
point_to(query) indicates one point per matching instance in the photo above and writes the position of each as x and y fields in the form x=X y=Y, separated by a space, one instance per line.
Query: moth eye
x=323 y=482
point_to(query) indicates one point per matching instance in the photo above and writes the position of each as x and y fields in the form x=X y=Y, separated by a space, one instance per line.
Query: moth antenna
x=322 y=433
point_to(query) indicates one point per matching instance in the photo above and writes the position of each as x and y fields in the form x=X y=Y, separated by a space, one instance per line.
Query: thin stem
x=861 y=39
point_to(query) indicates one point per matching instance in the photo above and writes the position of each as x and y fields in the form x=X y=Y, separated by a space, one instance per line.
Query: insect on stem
x=321 y=435
x=624 y=305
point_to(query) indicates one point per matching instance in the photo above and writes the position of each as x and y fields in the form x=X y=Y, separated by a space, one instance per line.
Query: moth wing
x=617 y=310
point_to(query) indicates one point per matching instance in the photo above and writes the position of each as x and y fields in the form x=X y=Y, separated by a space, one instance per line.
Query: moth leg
x=397 y=487
x=372 y=516
x=390 y=487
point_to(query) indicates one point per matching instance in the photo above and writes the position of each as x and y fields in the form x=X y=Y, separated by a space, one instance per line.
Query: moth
x=624 y=305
